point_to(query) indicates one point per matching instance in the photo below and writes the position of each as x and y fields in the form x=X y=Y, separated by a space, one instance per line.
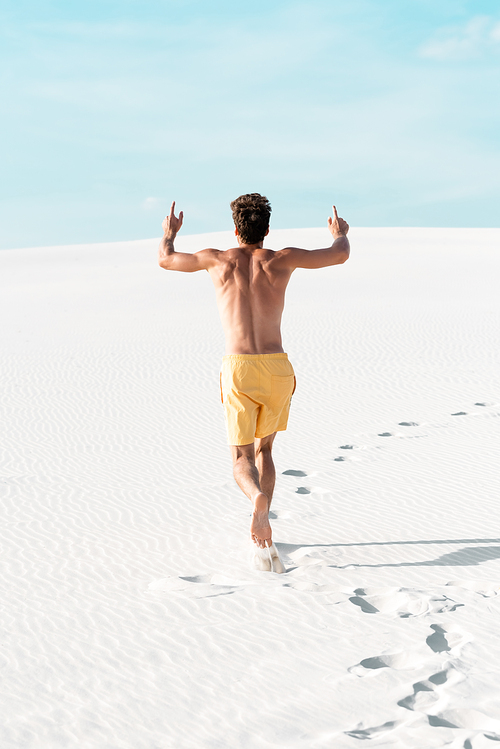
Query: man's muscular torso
x=250 y=288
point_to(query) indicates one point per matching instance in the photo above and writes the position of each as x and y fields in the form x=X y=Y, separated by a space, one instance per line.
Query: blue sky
x=111 y=109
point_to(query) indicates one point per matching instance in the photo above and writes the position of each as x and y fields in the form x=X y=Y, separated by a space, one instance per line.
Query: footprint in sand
x=376 y=732
x=469 y=719
x=400 y=602
x=398 y=661
x=365 y=606
x=428 y=692
x=395 y=601
x=291 y=472
x=447 y=640
x=481 y=741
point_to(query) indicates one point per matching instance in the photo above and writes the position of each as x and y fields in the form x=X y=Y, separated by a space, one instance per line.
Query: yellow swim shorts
x=256 y=390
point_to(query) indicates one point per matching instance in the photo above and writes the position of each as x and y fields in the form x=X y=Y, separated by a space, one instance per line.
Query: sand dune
x=130 y=615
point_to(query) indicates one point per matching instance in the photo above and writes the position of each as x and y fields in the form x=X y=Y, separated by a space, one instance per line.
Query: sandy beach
x=130 y=616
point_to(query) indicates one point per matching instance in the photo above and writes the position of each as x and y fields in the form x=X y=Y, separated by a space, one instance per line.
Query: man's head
x=251 y=215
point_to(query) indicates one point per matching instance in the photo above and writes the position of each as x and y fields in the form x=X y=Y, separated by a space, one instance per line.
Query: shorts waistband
x=254 y=357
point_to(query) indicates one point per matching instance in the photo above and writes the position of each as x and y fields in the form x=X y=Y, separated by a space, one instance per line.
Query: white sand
x=130 y=617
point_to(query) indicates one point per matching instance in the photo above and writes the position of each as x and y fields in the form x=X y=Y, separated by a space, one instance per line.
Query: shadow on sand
x=468 y=557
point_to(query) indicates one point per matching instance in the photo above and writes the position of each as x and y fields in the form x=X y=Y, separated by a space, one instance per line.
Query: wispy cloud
x=495 y=33
x=152 y=204
x=479 y=36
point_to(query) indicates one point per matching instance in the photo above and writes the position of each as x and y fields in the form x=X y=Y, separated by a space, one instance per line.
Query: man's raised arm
x=169 y=259
x=294 y=257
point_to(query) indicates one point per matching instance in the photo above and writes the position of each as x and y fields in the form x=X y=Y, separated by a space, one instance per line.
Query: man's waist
x=255 y=357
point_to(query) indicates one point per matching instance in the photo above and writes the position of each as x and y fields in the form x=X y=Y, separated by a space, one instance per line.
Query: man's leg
x=246 y=475
x=265 y=466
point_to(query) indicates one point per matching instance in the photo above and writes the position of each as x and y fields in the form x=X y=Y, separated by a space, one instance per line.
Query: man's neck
x=255 y=246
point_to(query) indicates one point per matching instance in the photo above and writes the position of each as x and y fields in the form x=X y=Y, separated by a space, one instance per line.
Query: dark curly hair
x=251 y=214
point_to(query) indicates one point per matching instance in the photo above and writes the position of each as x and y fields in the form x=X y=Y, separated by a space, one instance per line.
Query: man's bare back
x=250 y=283
x=250 y=290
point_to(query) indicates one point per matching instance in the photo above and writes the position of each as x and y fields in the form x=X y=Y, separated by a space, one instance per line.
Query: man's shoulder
x=281 y=255
x=209 y=251
x=219 y=253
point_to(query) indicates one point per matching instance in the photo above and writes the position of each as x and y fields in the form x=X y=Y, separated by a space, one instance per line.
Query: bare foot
x=260 y=529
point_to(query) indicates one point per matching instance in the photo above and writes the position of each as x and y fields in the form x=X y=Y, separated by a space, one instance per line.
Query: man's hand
x=171 y=224
x=187 y=262
x=337 y=226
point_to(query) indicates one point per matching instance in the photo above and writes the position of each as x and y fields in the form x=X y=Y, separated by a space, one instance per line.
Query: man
x=257 y=380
